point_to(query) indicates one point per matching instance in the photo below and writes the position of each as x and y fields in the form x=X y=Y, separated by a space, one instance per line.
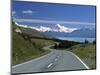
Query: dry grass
x=87 y=53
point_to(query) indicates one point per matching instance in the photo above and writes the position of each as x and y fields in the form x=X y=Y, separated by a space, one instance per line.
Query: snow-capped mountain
x=62 y=31
x=56 y=28
x=90 y=33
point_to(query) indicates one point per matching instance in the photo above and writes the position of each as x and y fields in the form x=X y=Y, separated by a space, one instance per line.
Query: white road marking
x=49 y=65
x=79 y=60
x=45 y=48
x=31 y=60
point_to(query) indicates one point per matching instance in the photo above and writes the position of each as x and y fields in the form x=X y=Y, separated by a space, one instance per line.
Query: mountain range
x=90 y=33
x=63 y=31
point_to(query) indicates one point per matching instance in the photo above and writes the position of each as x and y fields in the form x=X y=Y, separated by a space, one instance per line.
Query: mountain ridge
x=62 y=31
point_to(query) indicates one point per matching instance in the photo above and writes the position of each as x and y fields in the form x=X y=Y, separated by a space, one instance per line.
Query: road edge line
x=30 y=60
x=35 y=58
x=79 y=59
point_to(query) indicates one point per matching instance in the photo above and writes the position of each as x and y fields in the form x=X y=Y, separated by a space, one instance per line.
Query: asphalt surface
x=56 y=60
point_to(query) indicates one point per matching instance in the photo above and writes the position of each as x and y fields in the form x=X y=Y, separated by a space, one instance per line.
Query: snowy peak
x=61 y=30
x=41 y=28
x=54 y=28
x=65 y=29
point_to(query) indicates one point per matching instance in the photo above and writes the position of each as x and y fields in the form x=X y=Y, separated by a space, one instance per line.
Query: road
x=56 y=60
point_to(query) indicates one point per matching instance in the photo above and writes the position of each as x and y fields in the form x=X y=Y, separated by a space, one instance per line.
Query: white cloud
x=27 y=12
x=48 y=21
x=13 y=13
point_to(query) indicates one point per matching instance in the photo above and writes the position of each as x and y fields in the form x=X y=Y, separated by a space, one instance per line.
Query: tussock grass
x=23 y=50
x=42 y=42
x=86 y=52
x=27 y=49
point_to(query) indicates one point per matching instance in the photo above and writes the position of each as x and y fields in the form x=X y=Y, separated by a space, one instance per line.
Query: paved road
x=56 y=60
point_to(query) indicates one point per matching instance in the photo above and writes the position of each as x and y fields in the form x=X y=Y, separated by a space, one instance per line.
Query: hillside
x=32 y=32
x=24 y=48
x=86 y=52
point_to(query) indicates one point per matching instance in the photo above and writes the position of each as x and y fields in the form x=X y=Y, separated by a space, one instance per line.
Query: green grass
x=86 y=53
x=24 y=49
x=42 y=42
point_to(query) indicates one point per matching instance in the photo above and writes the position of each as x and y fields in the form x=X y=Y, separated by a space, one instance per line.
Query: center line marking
x=49 y=65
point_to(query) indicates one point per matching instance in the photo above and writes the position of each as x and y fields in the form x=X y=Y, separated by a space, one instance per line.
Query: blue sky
x=67 y=14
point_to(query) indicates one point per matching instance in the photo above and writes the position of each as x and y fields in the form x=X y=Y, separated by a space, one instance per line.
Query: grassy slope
x=32 y=32
x=42 y=42
x=24 y=50
x=86 y=53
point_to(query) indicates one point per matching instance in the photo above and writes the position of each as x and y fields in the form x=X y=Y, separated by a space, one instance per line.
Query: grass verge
x=86 y=52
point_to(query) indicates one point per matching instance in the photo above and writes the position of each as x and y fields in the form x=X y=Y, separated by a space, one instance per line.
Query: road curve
x=56 y=60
